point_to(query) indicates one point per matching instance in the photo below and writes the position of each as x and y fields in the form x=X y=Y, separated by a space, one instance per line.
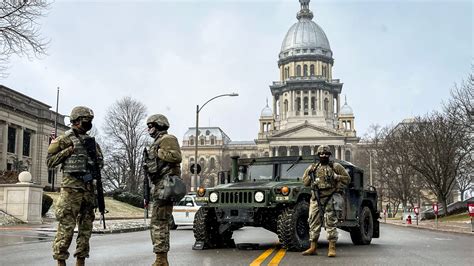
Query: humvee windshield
x=294 y=173
x=260 y=172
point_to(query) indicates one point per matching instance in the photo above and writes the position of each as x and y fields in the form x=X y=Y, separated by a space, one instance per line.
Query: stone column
x=276 y=151
x=338 y=103
x=301 y=103
x=19 y=150
x=3 y=162
x=343 y=153
x=310 y=105
x=288 y=150
x=300 y=150
x=337 y=151
x=312 y=149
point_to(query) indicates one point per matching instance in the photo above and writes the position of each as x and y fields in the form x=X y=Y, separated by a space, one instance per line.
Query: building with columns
x=26 y=126
x=305 y=110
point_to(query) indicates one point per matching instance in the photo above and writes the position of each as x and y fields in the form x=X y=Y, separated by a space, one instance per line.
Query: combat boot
x=311 y=250
x=161 y=259
x=80 y=261
x=61 y=263
x=332 y=249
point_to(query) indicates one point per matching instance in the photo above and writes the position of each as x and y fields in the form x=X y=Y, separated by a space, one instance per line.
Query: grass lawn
x=117 y=209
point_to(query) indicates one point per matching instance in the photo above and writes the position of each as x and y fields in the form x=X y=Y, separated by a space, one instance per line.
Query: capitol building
x=305 y=111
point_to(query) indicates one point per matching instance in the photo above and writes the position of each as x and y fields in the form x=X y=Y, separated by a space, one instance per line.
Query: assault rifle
x=146 y=183
x=315 y=190
x=90 y=146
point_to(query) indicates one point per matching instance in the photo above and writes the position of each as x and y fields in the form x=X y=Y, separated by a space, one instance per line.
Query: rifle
x=146 y=184
x=90 y=146
x=315 y=190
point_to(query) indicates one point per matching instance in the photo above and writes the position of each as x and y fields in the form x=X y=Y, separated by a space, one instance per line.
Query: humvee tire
x=362 y=235
x=293 y=228
x=206 y=229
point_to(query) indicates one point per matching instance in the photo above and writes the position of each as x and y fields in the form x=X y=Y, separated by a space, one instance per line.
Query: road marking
x=262 y=257
x=278 y=257
x=443 y=239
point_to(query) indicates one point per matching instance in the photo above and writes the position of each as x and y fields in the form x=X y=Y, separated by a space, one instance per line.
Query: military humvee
x=255 y=195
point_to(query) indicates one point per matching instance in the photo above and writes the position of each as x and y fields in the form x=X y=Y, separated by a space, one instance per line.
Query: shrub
x=47 y=202
x=130 y=198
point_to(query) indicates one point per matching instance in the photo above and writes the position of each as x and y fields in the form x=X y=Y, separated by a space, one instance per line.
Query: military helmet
x=324 y=148
x=159 y=119
x=81 y=111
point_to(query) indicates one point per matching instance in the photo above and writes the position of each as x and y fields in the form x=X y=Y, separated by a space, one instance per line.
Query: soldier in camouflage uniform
x=328 y=178
x=77 y=199
x=164 y=158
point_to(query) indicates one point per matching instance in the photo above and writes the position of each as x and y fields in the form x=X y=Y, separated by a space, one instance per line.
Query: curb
x=431 y=229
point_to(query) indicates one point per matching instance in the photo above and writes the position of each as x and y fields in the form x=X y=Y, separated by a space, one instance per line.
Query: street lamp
x=198 y=109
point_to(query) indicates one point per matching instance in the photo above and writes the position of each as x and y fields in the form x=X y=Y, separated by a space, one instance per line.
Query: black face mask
x=324 y=160
x=86 y=125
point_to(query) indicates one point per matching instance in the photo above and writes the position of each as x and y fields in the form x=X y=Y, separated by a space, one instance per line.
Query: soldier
x=164 y=158
x=77 y=199
x=325 y=179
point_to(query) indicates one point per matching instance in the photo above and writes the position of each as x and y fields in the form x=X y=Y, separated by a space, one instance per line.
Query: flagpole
x=55 y=136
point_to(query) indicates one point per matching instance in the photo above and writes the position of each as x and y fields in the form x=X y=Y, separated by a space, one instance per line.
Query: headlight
x=213 y=197
x=259 y=196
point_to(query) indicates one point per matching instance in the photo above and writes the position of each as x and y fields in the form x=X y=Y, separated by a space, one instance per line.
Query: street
x=397 y=246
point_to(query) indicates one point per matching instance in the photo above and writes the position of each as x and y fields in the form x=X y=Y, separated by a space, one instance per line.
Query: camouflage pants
x=160 y=217
x=314 y=220
x=75 y=206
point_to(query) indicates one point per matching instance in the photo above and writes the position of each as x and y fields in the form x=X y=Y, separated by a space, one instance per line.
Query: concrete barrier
x=22 y=200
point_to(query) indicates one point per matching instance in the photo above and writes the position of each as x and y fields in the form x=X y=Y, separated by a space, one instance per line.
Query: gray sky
x=397 y=59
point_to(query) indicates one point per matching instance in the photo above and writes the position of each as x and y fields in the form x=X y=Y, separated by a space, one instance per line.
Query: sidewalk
x=463 y=227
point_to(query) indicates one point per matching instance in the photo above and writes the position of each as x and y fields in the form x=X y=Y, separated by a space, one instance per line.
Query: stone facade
x=26 y=126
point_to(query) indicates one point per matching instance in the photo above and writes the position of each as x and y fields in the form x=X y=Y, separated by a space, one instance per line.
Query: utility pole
x=53 y=172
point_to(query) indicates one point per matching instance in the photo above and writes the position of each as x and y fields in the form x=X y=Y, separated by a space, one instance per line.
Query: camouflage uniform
x=164 y=158
x=326 y=189
x=77 y=199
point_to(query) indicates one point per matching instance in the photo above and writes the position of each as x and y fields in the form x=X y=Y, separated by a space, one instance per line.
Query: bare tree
x=435 y=147
x=124 y=140
x=19 y=30
x=465 y=177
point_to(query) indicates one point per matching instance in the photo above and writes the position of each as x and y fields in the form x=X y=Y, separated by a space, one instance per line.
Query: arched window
x=305 y=70
x=213 y=140
x=305 y=105
x=212 y=164
x=313 y=103
x=202 y=141
x=326 y=104
x=191 y=141
x=298 y=103
x=208 y=132
x=202 y=163
x=287 y=72
x=285 y=106
x=298 y=71
x=348 y=156
x=311 y=70
x=324 y=71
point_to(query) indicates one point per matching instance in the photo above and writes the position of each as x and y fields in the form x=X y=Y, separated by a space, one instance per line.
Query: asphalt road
x=397 y=246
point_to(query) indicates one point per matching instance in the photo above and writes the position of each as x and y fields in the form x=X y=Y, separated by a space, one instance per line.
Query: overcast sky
x=397 y=59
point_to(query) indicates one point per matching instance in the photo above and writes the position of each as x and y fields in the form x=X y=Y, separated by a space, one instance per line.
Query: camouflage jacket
x=165 y=150
x=327 y=179
x=60 y=150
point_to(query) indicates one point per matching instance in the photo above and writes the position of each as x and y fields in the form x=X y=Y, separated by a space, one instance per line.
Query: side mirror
x=189 y=204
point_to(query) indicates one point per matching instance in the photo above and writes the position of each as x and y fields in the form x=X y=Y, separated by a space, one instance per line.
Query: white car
x=184 y=211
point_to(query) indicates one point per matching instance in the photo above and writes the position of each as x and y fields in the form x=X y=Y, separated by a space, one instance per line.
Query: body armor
x=78 y=163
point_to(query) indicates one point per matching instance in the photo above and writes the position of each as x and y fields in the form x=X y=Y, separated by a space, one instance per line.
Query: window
x=347 y=156
x=202 y=163
x=298 y=104
x=326 y=104
x=208 y=132
x=324 y=70
x=191 y=141
x=305 y=70
x=213 y=140
x=305 y=104
x=202 y=141
x=298 y=70
x=11 y=140
x=212 y=164
x=313 y=103
x=26 y=143
x=311 y=70
x=9 y=166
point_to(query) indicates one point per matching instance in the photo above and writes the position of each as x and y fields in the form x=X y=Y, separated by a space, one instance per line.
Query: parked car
x=184 y=211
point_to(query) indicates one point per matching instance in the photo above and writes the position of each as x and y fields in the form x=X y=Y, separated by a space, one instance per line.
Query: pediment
x=307 y=130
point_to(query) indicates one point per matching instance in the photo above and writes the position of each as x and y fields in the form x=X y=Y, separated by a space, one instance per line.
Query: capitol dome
x=305 y=37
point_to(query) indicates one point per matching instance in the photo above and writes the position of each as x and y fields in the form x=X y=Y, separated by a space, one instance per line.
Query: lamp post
x=198 y=109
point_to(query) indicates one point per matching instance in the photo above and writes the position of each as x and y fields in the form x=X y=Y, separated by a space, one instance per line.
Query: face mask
x=152 y=132
x=324 y=160
x=86 y=125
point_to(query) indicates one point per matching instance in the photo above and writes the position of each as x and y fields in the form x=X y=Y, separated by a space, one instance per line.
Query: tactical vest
x=156 y=167
x=77 y=163
x=324 y=177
